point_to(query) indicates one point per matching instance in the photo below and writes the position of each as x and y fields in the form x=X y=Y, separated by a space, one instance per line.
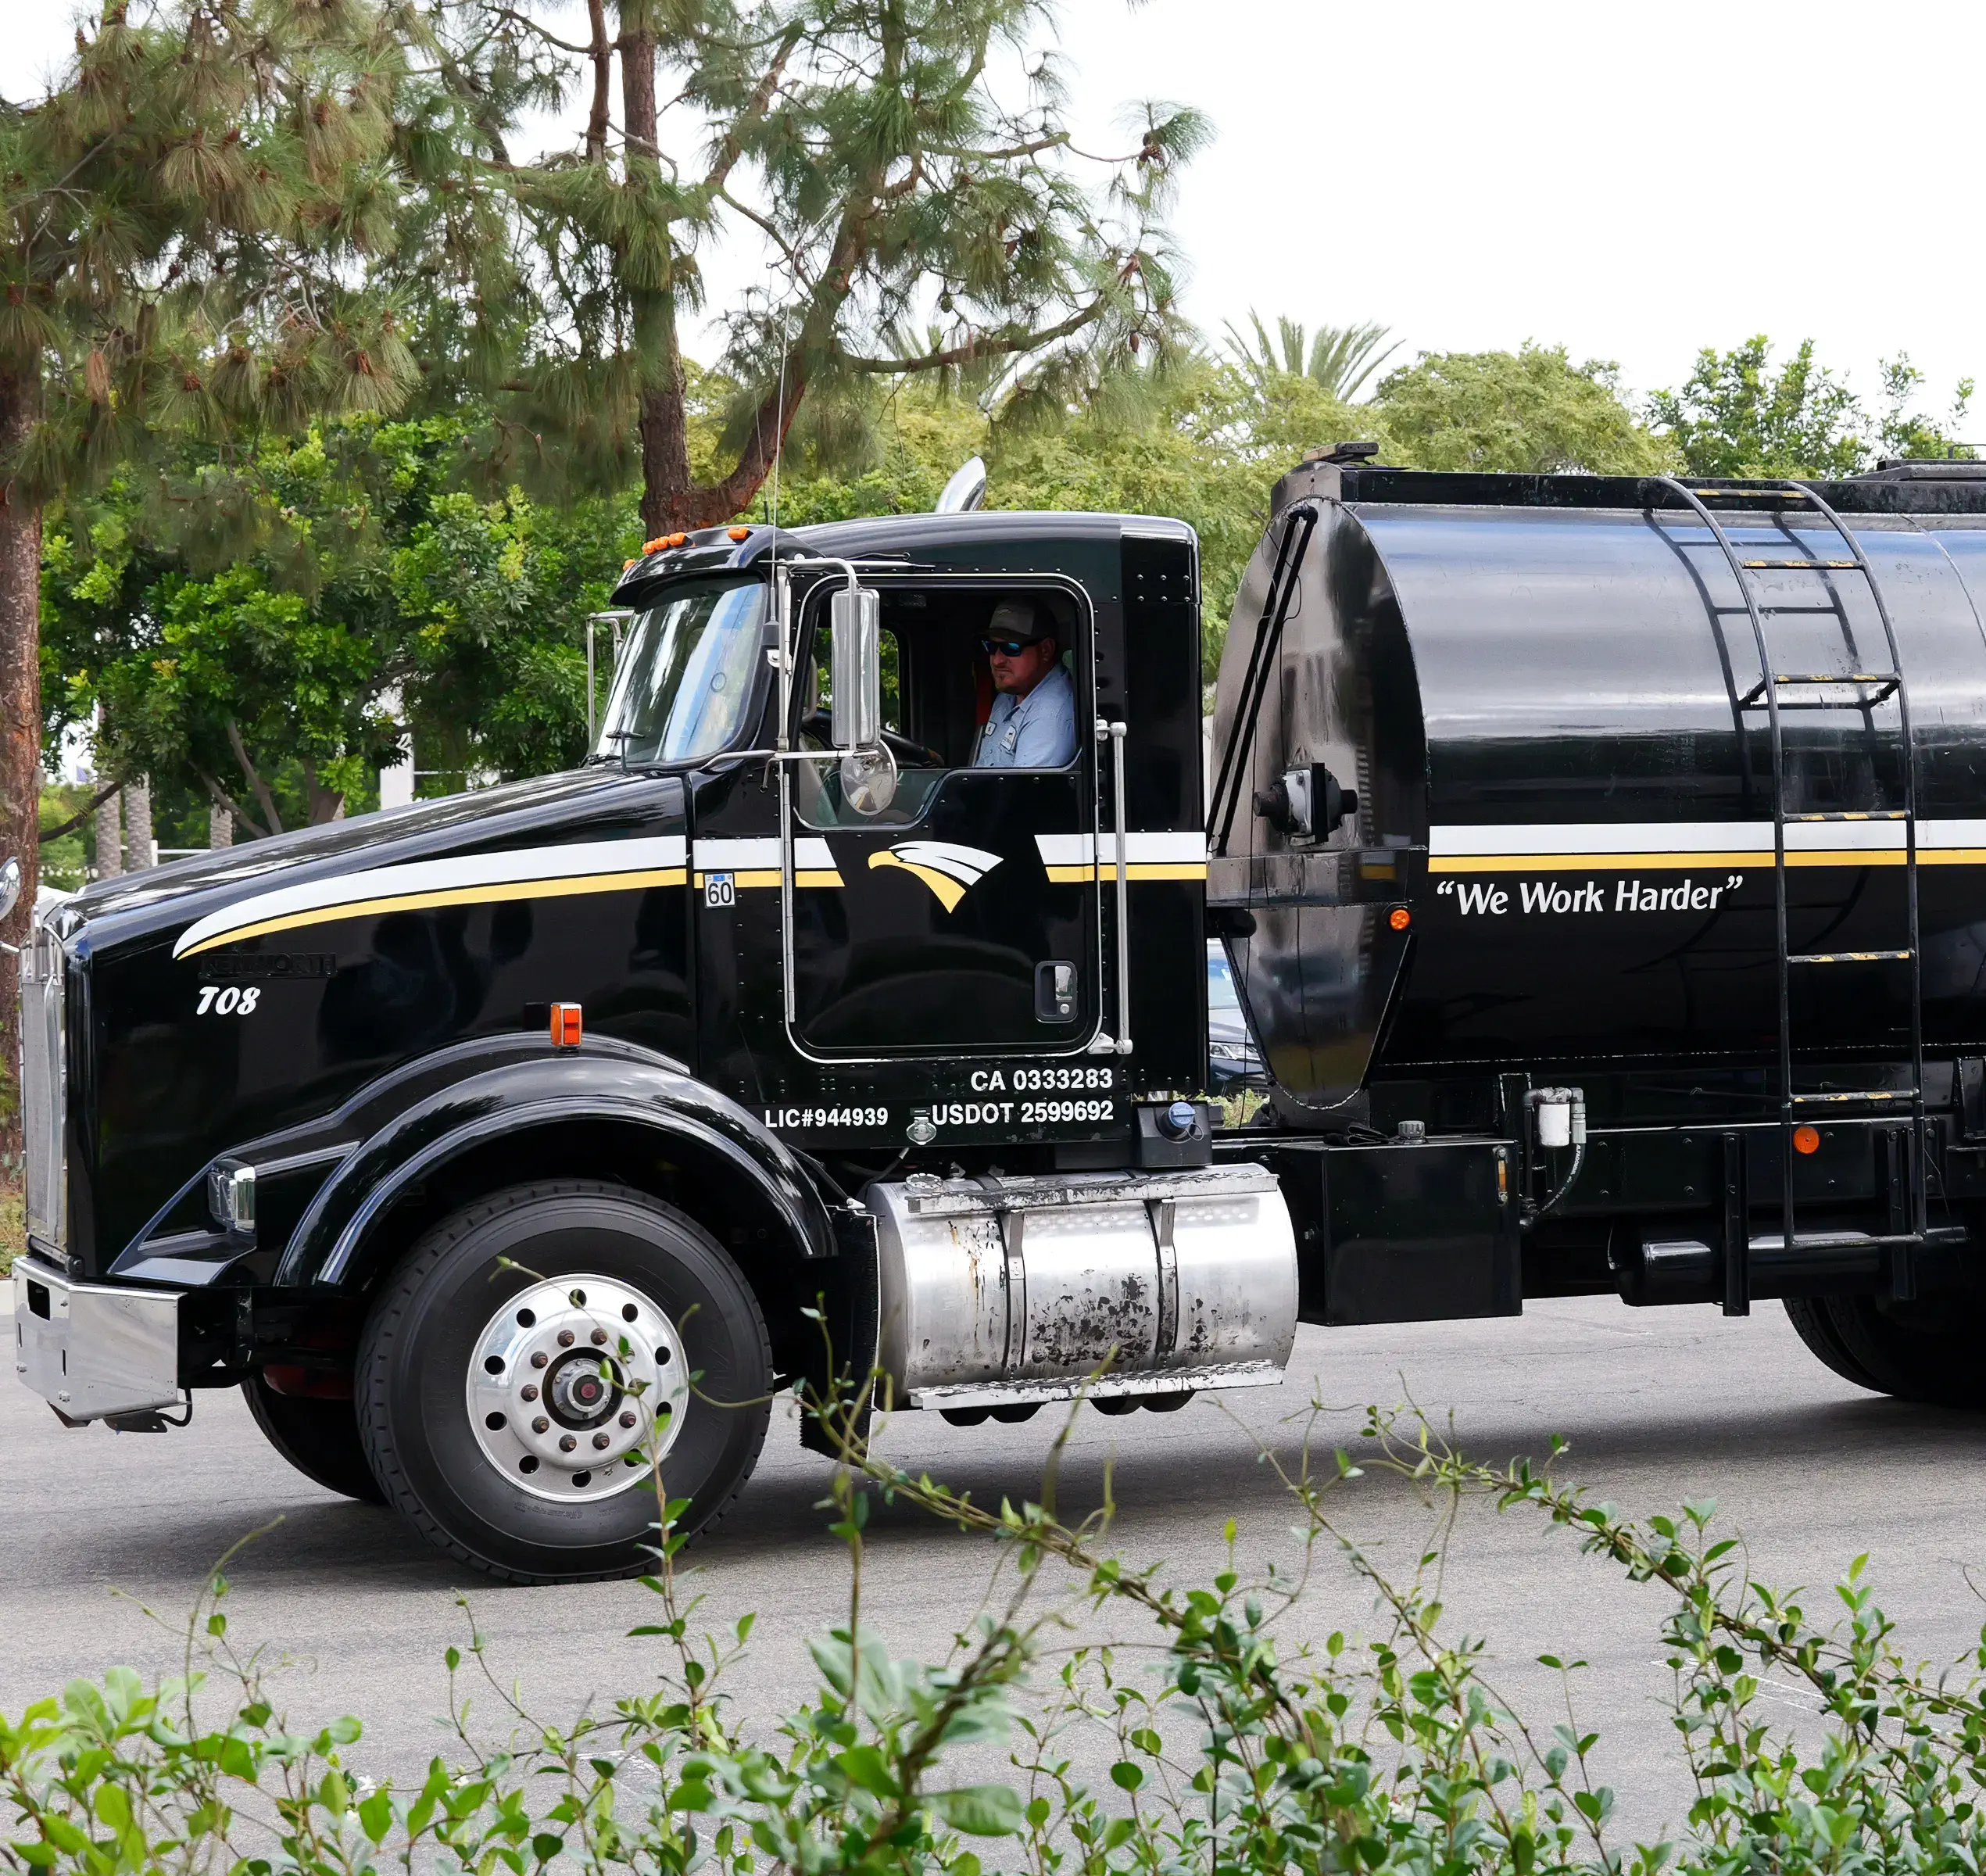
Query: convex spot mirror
x=9 y=887
x=868 y=779
x=855 y=667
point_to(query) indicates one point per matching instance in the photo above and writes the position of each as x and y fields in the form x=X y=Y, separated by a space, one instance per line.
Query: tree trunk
x=220 y=828
x=662 y=422
x=110 y=837
x=20 y=732
x=138 y=856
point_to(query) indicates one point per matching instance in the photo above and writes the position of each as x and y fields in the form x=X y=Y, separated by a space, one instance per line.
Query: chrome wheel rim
x=575 y=1385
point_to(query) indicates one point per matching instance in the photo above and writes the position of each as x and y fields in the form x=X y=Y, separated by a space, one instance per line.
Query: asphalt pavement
x=105 y=1539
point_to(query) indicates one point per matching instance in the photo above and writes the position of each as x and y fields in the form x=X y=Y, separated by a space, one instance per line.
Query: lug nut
x=566 y=1442
x=541 y=1425
x=627 y=1419
x=602 y=1441
x=600 y=1338
x=565 y=1338
x=539 y=1359
x=529 y=1392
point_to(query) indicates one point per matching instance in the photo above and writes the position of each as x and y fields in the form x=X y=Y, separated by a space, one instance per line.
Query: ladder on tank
x=1777 y=691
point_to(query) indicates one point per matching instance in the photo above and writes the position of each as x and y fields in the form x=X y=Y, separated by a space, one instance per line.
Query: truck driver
x=1032 y=722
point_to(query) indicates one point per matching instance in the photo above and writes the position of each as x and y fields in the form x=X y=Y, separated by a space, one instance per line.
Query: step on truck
x=1600 y=863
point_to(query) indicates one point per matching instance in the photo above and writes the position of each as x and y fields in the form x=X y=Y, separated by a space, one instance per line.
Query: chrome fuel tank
x=1021 y=1289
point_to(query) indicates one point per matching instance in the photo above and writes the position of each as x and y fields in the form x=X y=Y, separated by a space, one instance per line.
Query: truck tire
x=1916 y=1352
x=526 y=1372
x=320 y=1438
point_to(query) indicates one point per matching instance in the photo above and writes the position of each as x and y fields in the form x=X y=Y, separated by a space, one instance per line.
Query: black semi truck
x=1599 y=861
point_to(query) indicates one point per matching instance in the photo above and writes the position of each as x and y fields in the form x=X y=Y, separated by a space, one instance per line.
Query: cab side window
x=944 y=652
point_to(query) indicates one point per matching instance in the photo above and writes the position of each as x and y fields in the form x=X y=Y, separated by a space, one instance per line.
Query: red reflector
x=1806 y=1140
x=1399 y=918
x=565 y=1026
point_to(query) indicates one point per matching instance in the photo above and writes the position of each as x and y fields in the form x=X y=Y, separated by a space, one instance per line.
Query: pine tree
x=864 y=144
x=179 y=221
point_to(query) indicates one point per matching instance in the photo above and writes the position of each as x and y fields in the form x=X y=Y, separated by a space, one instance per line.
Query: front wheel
x=526 y=1374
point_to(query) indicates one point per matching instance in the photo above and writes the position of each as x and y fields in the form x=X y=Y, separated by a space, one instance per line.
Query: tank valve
x=1306 y=803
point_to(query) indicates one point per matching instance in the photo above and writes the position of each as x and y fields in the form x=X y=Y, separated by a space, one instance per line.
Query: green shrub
x=1390 y=1754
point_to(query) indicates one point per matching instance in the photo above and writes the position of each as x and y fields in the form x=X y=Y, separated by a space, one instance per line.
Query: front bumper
x=91 y=1349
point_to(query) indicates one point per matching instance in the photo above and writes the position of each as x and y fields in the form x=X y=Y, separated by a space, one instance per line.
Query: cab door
x=962 y=918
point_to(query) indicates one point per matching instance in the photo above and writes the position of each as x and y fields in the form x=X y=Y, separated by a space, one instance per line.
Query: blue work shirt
x=1037 y=731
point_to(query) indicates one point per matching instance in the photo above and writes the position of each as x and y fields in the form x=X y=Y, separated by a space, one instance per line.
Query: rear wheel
x=527 y=1370
x=319 y=1438
x=1917 y=1351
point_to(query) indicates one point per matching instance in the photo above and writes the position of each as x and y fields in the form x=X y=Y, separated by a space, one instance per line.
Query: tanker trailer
x=1602 y=865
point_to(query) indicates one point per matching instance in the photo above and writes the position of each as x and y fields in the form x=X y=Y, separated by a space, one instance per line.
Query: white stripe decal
x=1602 y=837
x=760 y=854
x=1951 y=833
x=321 y=900
x=1139 y=849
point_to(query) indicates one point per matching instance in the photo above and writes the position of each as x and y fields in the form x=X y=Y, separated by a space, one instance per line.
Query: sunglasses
x=1006 y=648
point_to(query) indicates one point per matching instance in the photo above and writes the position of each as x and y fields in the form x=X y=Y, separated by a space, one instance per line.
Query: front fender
x=600 y=1082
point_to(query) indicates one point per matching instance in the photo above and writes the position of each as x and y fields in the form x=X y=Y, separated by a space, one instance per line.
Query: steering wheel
x=819 y=724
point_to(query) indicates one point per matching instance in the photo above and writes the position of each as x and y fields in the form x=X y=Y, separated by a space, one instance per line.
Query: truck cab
x=785 y=1040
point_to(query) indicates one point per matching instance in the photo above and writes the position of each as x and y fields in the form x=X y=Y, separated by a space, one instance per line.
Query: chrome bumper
x=91 y=1350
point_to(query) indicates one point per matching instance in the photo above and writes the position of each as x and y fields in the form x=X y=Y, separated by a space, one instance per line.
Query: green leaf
x=1126 y=1776
x=980 y=1810
x=866 y=1768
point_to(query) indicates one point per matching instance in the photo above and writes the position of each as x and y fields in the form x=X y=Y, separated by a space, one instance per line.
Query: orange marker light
x=655 y=545
x=740 y=534
x=567 y=1025
x=1806 y=1140
x=1399 y=918
x=627 y=563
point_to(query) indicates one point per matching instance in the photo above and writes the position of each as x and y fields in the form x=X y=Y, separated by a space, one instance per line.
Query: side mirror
x=855 y=666
x=9 y=887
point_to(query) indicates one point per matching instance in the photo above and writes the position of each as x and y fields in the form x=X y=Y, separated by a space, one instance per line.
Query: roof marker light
x=740 y=534
x=567 y=1026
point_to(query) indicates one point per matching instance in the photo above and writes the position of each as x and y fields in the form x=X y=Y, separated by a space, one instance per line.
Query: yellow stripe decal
x=464 y=895
x=1630 y=863
x=1086 y=875
x=762 y=876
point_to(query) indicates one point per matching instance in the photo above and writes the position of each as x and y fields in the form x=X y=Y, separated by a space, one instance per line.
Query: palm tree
x=1339 y=360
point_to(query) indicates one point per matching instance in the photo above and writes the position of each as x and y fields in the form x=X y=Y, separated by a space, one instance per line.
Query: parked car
x=1233 y=1061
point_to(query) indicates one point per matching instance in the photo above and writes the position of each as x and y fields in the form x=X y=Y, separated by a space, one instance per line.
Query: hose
x=1575 y=1100
x=1565 y=1185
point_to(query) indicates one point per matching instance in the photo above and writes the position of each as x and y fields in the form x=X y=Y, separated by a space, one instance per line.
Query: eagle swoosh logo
x=950 y=871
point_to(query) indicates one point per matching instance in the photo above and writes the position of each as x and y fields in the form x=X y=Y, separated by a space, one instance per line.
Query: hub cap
x=575 y=1384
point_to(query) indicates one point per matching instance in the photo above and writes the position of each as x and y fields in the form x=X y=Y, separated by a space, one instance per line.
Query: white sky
x=1633 y=181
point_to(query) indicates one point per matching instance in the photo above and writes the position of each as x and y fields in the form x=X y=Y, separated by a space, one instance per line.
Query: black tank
x=1548 y=696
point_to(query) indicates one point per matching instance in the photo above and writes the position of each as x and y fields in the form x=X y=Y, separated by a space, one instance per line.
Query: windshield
x=685 y=675
x=1220 y=980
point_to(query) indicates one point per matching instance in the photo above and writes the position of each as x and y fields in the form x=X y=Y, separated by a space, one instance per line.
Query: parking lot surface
x=106 y=1539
